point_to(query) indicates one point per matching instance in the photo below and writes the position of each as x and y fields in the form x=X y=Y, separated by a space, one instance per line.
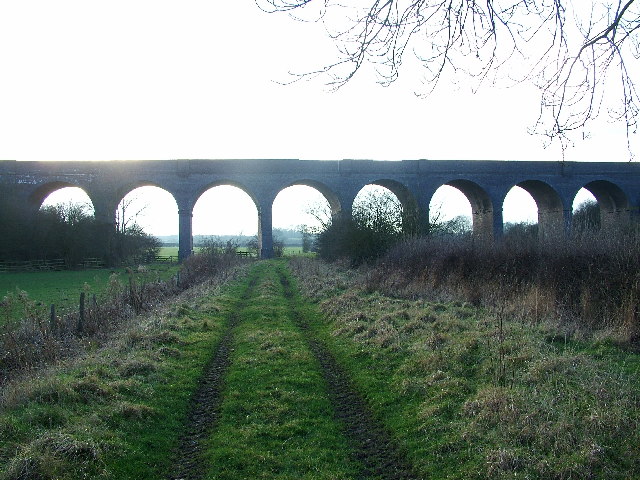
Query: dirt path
x=205 y=403
x=373 y=446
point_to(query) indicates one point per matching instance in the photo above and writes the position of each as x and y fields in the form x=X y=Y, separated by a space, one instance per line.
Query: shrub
x=590 y=279
x=69 y=232
x=375 y=225
x=213 y=258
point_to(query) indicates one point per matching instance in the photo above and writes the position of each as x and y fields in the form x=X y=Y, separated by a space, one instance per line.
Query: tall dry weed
x=42 y=337
x=591 y=279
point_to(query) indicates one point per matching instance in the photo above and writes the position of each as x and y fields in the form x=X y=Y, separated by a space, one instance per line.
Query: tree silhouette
x=577 y=52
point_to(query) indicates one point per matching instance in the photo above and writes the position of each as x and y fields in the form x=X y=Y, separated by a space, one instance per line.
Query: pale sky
x=98 y=80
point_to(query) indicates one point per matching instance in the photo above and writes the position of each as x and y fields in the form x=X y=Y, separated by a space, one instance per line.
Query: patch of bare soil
x=205 y=405
x=373 y=445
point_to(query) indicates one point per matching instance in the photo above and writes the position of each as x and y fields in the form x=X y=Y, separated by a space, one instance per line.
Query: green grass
x=463 y=397
x=60 y=288
x=276 y=419
x=468 y=400
x=119 y=412
x=168 y=252
x=115 y=414
x=63 y=288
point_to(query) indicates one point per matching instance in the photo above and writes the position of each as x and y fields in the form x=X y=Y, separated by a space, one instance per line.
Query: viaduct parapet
x=553 y=186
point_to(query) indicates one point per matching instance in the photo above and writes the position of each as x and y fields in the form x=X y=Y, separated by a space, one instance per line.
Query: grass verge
x=116 y=413
x=276 y=420
x=471 y=394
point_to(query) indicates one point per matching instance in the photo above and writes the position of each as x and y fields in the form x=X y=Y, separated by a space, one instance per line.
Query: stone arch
x=320 y=190
x=410 y=209
x=37 y=197
x=613 y=202
x=292 y=201
x=482 y=215
x=330 y=196
x=219 y=183
x=263 y=215
x=450 y=209
x=127 y=188
x=225 y=202
x=125 y=191
x=551 y=211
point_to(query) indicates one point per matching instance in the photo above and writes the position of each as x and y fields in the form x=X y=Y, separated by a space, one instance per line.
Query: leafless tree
x=128 y=212
x=582 y=54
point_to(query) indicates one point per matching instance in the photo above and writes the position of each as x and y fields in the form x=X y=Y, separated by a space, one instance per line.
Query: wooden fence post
x=81 y=319
x=53 y=323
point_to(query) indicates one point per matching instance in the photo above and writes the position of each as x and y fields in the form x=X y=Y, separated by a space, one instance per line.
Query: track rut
x=373 y=447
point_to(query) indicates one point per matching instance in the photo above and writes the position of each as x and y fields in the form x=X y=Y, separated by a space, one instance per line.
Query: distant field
x=168 y=252
x=173 y=251
x=63 y=288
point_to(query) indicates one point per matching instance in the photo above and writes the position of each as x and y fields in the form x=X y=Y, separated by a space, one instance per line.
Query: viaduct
x=553 y=186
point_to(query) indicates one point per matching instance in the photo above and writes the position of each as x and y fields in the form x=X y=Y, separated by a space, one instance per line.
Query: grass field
x=339 y=383
x=63 y=288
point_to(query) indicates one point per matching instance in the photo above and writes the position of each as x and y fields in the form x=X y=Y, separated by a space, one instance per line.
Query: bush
x=587 y=217
x=134 y=245
x=69 y=232
x=593 y=280
x=214 y=257
x=375 y=225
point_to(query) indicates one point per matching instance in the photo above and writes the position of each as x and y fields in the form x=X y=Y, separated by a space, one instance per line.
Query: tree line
x=69 y=232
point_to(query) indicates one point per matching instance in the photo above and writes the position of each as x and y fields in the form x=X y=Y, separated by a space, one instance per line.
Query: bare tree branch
x=568 y=48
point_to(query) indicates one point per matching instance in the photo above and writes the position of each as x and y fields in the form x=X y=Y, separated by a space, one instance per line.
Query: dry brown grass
x=591 y=282
x=39 y=339
x=485 y=392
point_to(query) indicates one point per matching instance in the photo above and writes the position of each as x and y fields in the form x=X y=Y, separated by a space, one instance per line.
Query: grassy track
x=276 y=419
x=222 y=386
x=471 y=395
x=255 y=381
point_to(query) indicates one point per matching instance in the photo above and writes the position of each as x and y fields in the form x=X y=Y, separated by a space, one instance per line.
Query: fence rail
x=48 y=265
x=166 y=258
x=59 y=264
x=92 y=263
x=32 y=265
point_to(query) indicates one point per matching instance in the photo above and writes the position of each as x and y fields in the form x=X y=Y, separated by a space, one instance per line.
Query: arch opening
x=150 y=209
x=378 y=207
x=482 y=221
x=612 y=202
x=300 y=211
x=64 y=228
x=550 y=219
x=520 y=214
x=227 y=212
x=450 y=212
x=585 y=212
x=68 y=198
x=405 y=203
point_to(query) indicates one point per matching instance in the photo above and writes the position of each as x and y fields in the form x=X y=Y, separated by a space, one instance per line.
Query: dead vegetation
x=42 y=337
x=474 y=387
x=589 y=283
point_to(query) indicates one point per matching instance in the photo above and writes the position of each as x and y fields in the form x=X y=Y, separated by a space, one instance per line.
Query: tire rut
x=374 y=447
x=206 y=401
